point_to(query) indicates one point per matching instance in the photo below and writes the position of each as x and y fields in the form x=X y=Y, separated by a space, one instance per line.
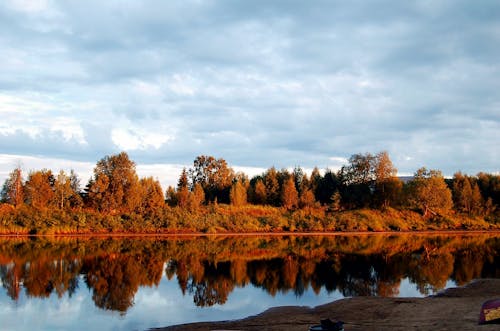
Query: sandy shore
x=454 y=309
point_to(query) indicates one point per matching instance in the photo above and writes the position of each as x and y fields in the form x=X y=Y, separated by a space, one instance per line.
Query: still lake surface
x=136 y=283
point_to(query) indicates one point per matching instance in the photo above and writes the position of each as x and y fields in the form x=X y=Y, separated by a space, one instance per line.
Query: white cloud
x=69 y=128
x=182 y=85
x=148 y=89
x=250 y=171
x=338 y=161
x=29 y=6
x=134 y=139
x=166 y=174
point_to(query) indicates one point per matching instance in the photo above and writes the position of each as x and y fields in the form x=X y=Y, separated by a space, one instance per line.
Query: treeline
x=115 y=198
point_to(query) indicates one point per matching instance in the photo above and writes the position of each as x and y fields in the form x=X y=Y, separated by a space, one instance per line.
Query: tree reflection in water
x=209 y=268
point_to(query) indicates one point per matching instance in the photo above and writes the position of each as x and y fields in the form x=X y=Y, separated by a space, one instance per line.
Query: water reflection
x=208 y=269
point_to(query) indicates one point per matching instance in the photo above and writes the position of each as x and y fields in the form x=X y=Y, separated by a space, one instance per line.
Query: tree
x=214 y=176
x=489 y=186
x=238 y=194
x=272 y=187
x=462 y=192
x=114 y=187
x=67 y=190
x=466 y=195
x=360 y=169
x=197 y=197
x=336 y=201
x=75 y=199
x=12 y=190
x=183 y=190
x=260 y=194
x=39 y=189
x=477 y=203
x=315 y=179
x=171 y=196
x=387 y=186
x=289 y=195
x=300 y=179
x=429 y=193
x=383 y=168
x=358 y=179
x=307 y=199
x=97 y=193
x=327 y=185
x=388 y=193
x=151 y=196
x=63 y=190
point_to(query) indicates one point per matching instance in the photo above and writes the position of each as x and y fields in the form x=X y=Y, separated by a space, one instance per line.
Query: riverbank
x=226 y=219
x=454 y=309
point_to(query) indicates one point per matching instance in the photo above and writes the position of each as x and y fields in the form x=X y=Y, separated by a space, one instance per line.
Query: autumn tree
x=315 y=180
x=113 y=282
x=66 y=190
x=114 y=186
x=289 y=195
x=259 y=192
x=272 y=187
x=466 y=195
x=196 y=197
x=39 y=188
x=151 y=196
x=12 y=190
x=429 y=193
x=307 y=199
x=489 y=186
x=183 y=189
x=388 y=187
x=171 y=196
x=214 y=175
x=238 y=194
x=336 y=201
x=75 y=199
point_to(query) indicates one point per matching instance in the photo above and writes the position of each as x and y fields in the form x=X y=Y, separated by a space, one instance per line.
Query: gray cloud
x=259 y=83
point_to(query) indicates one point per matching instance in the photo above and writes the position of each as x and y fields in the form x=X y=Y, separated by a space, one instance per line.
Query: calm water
x=139 y=283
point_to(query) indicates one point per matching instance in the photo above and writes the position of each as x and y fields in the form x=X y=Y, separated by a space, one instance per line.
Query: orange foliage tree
x=40 y=189
x=114 y=187
x=289 y=195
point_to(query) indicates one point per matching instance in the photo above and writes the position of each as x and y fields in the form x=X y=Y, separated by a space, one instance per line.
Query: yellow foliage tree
x=289 y=195
x=196 y=198
x=238 y=194
x=428 y=192
x=260 y=194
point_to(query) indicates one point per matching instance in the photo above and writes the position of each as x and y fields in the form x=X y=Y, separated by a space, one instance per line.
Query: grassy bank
x=230 y=219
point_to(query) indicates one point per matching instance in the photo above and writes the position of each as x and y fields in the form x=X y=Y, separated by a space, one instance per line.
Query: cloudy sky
x=258 y=83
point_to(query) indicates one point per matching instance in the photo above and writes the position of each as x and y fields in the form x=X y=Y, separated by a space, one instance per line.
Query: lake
x=136 y=283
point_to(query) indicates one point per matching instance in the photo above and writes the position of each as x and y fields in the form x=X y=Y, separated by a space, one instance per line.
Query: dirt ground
x=454 y=309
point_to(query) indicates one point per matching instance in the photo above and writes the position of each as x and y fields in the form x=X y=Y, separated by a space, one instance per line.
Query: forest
x=210 y=197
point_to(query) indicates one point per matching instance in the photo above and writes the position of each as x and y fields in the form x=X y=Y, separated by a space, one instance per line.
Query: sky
x=258 y=83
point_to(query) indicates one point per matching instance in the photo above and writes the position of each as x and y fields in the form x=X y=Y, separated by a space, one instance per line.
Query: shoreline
x=453 y=309
x=252 y=234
